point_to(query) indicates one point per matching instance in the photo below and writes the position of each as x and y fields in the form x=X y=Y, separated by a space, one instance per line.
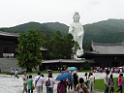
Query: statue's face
x=76 y=17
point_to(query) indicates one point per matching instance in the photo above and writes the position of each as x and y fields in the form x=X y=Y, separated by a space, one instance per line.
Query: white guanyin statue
x=77 y=31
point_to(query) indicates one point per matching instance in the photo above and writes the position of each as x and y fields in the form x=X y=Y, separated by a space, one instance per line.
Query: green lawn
x=99 y=85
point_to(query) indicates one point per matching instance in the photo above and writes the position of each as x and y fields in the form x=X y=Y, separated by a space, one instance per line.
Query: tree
x=60 y=46
x=28 y=52
x=68 y=44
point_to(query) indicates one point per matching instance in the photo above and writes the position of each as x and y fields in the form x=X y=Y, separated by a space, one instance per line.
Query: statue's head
x=76 y=17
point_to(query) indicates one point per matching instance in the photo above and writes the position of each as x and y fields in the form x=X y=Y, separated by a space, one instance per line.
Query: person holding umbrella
x=70 y=82
x=64 y=75
x=75 y=78
x=61 y=87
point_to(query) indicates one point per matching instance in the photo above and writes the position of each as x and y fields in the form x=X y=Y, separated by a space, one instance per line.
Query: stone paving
x=10 y=84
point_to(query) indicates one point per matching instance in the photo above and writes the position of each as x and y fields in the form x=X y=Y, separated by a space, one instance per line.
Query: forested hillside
x=108 y=31
x=43 y=27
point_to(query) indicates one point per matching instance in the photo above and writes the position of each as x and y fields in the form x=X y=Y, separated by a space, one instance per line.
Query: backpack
x=48 y=82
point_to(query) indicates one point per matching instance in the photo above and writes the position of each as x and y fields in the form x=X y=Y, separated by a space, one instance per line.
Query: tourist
x=24 y=82
x=106 y=82
x=91 y=82
x=86 y=76
x=16 y=73
x=120 y=83
x=111 y=84
x=70 y=82
x=12 y=71
x=30 y=84
x=49 y=83
x=39 y=80
x=81 y=87
x=61 y=87
x=75 y=78
x=86 y=79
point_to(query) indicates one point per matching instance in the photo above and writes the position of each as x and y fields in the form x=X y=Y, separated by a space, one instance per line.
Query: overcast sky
x=14 y=12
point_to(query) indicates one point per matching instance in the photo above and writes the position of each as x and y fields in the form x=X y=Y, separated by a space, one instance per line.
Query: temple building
x=106 y=54
x=8 y=44
x=58 y=63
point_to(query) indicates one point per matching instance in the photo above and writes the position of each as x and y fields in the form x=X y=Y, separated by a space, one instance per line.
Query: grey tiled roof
x=9 y=34
x=108 y=48
x=64 y=61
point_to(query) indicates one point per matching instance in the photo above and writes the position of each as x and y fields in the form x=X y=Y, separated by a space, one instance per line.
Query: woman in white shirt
x=91 y=82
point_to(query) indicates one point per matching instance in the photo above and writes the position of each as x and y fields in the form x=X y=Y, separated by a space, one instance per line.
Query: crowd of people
x=112 y=69
x=76 y=84
x=110 y=83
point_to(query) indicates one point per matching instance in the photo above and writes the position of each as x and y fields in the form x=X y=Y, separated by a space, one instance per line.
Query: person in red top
x=62 y=85
x=120 y=83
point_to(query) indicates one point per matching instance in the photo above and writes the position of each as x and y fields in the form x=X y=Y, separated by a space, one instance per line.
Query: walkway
x=10 y=84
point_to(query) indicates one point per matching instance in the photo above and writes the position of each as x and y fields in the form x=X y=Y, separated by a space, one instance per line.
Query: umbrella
x=72 y=68
x=63 y=76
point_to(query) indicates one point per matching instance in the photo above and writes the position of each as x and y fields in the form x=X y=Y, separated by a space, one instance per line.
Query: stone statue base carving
x=79 y=52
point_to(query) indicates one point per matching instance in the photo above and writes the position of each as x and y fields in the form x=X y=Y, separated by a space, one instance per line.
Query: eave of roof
x=108 y=48
x=9 y=34
x=93 y=54
x=64 y=61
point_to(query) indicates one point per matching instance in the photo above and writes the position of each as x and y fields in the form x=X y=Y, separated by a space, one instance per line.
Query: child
x=30 y=84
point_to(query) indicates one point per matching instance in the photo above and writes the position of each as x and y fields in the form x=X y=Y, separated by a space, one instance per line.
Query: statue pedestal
x=78 y=54
x=76 y=57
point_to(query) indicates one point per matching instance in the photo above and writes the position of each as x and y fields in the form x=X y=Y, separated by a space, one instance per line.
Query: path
x=10 y=84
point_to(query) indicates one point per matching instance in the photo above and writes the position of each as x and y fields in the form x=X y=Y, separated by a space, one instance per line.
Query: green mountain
x=45 y=27
x=108 y=31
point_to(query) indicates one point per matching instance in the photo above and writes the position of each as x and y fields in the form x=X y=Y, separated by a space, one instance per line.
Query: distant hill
x=108 y=31
x=45 y=27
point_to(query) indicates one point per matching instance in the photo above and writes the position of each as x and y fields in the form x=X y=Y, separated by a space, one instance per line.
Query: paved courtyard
x=10 y=84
